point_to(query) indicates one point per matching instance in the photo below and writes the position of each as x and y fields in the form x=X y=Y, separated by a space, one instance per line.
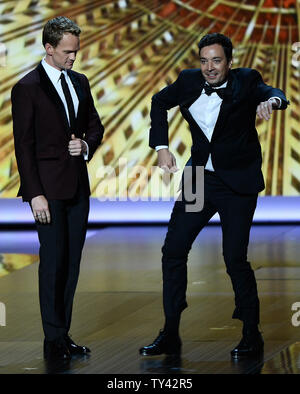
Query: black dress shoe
x=56 y=350
x=75 y=349
x=249 y=347
x=163 y=344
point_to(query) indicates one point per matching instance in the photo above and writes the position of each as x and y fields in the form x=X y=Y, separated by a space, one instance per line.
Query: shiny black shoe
x=75 y=349
x=163 y=344
x=249 y=347
x=56 y=350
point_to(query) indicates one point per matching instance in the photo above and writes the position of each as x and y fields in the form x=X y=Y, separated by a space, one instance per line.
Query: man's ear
x=49 y=49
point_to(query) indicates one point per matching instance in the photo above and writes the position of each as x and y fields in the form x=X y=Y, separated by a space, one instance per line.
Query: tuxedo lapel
x=51 y=92
x=230 y=98
x=193 y=94
x=185 y=104
x=193 y=89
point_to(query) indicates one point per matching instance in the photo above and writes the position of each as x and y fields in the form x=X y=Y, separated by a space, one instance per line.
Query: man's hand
x=40 y=209
x=265 y=108
x=76 y=146
x=166 y=160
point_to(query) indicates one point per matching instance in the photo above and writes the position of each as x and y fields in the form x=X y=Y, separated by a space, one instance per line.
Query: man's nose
x=210 y=65
x=72 y=56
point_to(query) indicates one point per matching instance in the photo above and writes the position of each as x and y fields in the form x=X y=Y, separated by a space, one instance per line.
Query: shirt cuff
x=278 y=98
x=158 y=147
x=86 y=155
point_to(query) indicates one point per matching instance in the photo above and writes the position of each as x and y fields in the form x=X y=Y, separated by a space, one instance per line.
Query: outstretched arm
x=268 y=98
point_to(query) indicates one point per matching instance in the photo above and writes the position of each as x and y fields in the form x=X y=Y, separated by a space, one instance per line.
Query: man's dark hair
x=55 y=29
x=217 y=38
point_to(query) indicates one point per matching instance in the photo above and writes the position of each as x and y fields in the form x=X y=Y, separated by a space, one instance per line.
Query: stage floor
x=118 y=305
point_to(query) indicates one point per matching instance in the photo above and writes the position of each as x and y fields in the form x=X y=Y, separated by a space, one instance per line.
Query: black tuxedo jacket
x=234 y=147
x=42 y=134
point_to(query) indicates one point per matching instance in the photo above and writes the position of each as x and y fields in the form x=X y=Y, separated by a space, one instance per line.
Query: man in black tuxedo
x=56 y=130
x=220 y=105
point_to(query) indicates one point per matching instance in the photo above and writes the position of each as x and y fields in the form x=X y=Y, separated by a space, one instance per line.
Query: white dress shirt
x=205 y=110
x=54 y=76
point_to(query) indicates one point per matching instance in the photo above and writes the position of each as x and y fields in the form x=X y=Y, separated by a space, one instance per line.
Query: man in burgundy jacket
x=56 y=130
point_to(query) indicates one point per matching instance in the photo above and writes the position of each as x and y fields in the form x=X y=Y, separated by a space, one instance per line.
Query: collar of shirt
x=52 y=72
x=54 y=76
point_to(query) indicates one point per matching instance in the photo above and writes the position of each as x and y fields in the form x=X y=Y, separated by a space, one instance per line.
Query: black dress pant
x=236 y=214
x=61 y=244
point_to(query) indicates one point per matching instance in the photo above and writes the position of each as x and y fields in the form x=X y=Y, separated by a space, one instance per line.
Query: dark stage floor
x=118 y=304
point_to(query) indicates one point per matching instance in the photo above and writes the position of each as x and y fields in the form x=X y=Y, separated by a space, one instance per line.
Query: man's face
x=63 y=55
x=214 y=65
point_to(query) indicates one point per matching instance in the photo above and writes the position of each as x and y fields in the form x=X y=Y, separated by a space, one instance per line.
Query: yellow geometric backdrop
x=131 y=49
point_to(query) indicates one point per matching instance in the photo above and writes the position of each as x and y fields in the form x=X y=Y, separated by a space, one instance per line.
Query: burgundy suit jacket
x=42 y=134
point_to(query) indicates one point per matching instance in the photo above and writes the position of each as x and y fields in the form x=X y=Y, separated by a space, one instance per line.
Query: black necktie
x=69 y=101
x=209 y=90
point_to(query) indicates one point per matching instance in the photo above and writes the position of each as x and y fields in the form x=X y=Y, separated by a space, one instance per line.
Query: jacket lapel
x=193 y=90
x=80 y=94
x=76 y=84
x=231 y=96
x=51 y=92
x=192 y=97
